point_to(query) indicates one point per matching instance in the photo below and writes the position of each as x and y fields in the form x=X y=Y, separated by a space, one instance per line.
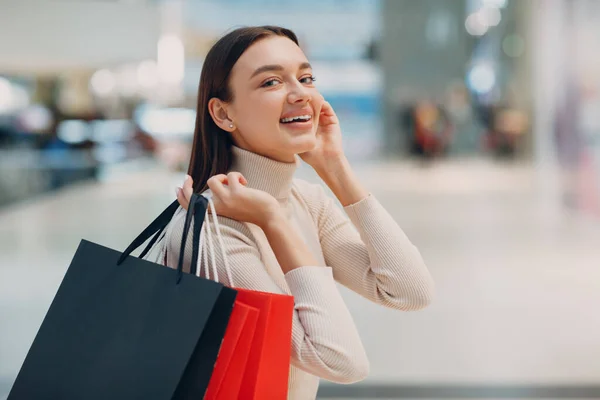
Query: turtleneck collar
x=262 y=173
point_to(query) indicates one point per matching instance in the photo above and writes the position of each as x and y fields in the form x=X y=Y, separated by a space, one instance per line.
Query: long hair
x=211 y=149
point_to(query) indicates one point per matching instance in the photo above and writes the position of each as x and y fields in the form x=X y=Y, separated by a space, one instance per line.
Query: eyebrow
x=276 y=67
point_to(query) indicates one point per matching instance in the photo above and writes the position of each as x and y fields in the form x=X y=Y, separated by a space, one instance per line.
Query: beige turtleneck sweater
x=367 y=252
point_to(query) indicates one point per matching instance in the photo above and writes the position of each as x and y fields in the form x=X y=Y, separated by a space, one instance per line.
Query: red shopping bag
x=268 y=367
x=229 y=369
x=254 y=360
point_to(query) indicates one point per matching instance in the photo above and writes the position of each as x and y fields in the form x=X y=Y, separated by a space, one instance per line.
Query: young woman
x=258 y=109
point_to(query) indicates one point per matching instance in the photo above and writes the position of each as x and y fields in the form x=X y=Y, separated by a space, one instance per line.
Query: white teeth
x=297 y=118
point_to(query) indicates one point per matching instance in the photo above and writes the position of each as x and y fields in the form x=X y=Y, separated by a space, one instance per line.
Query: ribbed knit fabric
x=364 y=250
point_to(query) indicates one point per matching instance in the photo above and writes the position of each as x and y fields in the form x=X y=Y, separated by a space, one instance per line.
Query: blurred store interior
x=475 y=122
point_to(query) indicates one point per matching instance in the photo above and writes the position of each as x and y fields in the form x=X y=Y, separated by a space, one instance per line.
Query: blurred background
x=475 y=122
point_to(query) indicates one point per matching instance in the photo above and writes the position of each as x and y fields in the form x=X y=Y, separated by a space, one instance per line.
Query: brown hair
x=211 y=150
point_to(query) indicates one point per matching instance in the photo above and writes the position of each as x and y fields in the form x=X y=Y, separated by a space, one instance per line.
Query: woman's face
x=275 y=108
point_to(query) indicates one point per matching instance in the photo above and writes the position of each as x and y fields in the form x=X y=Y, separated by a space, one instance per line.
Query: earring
x=231 y=126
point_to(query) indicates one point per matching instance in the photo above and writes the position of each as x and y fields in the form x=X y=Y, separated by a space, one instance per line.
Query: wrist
x=272 y=220
x=342 y=181
x=333 y=168
x=335 y=171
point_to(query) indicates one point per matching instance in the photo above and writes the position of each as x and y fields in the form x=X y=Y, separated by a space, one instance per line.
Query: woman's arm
x=288 y=246
x=379 y=262
x=325 y=341
x=339 y=176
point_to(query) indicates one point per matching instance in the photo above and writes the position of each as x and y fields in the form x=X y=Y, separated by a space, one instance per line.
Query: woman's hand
x=234 y=200
x=329 y=161
x=329 y=147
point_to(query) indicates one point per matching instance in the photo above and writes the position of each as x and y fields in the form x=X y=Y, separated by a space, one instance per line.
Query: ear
x=218 y=111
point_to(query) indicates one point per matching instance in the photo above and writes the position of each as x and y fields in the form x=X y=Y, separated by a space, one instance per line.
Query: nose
x=298 y=94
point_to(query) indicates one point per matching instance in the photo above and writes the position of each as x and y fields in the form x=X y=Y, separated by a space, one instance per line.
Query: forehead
x=271 y=50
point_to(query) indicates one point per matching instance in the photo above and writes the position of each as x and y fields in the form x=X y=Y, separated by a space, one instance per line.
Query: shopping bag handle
x=158 y=225
x=198 y=222
x=206 y=243
x=196 y=210
x=158 y=234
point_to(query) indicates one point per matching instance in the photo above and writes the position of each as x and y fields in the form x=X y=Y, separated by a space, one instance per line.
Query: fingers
x=326 y=113
x=184 y=194
x=222 y=184
x=188 y=188
x=327 y=116
x=235 y=180
x=216 y=185
x=327 y=110
x=319 y=100
x=183 y=202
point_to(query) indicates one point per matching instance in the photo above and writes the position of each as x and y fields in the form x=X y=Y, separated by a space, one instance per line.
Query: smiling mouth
x=299 y=118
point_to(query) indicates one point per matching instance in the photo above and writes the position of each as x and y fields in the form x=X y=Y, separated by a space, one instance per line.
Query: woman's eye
x=309 y=79
x=270 y=82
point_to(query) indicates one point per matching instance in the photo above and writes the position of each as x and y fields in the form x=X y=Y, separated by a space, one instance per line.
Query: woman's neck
x=264 y=173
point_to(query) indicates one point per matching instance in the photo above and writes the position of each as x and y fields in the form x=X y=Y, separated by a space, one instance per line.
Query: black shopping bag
x=121 y=327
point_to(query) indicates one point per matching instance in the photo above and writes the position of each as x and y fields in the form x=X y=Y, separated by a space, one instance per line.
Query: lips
x=299 y=118
x=303 y=115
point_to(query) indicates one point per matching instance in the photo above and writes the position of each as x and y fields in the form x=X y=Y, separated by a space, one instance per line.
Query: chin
x=302 y=144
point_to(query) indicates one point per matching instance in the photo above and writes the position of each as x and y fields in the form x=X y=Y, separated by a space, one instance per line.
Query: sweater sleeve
x=369 y=252
x=325 y=341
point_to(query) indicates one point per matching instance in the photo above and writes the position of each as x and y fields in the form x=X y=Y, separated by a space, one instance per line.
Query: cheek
x=259 y=113
x=269 y=105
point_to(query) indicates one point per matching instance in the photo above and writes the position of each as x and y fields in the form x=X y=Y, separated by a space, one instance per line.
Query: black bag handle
x=158 y=225
x=152 y=242
x=199 y=216
x=198 y=221
x=196 y=210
